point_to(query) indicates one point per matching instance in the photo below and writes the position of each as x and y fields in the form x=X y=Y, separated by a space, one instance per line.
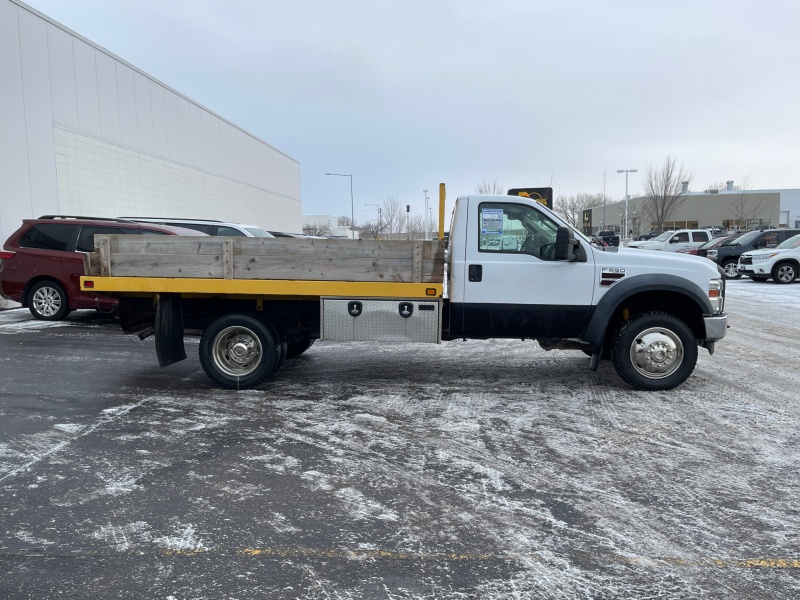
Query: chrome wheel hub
x=237 y=351
x=657 y=353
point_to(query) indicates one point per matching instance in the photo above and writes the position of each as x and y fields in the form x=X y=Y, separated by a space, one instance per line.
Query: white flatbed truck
x=259 y=301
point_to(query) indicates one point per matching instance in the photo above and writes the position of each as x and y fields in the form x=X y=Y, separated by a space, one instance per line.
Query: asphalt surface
x=466 y=470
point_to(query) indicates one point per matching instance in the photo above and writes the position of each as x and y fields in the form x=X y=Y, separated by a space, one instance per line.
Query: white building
x=82 y=132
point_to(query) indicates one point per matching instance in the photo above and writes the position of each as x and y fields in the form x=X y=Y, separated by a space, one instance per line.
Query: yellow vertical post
x=441 y=211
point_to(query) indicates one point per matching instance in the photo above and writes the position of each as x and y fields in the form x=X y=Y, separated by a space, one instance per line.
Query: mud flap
x=169 y=330
x=596 y=356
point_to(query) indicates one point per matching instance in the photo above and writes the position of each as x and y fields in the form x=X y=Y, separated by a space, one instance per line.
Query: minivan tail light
x=6 y=255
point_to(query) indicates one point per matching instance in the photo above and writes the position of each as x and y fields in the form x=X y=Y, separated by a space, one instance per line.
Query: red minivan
x=42 y=262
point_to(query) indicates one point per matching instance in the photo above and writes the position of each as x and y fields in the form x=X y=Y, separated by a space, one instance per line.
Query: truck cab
x=648 y=312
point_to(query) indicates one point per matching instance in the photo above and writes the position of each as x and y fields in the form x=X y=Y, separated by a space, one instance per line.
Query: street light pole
x=426 y=213
x=352 y=208
x=626 y=171
x=380 y=220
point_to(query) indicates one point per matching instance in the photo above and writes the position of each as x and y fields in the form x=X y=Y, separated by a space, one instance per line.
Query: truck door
x=503 y=291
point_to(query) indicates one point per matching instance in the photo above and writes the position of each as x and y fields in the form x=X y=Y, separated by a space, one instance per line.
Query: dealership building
x=83 y=132
x=729 y=209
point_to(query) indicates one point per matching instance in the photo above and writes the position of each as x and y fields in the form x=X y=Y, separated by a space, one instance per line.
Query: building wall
x=704 y=210
x=84 y=132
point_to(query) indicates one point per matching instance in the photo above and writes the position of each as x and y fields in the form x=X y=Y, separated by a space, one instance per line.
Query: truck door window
x=515 y=229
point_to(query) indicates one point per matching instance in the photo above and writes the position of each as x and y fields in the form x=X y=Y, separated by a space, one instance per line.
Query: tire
x=295 y=349
x=240 y=351
x=654 y=351
x=48 y=301
x=784 y=272
x=731 y=269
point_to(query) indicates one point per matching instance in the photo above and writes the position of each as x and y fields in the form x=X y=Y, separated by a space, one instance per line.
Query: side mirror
x=565 y=245
x=673 y=240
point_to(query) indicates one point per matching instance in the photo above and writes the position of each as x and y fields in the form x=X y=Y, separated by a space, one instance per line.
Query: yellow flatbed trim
x=261 y=287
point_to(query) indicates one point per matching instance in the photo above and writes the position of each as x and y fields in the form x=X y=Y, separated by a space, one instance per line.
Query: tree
x=745 y=204
x=393 y=215
x=570 y=208
x=664 y=191
x=318 y=229
x=491 y=187
x=369 y=230
x=345 y=221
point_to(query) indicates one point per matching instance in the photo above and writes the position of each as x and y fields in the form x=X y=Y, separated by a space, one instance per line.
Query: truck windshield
x=664 y=236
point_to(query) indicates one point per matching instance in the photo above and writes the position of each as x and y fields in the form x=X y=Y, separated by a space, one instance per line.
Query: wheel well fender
x=39 y=278
x=650 y=292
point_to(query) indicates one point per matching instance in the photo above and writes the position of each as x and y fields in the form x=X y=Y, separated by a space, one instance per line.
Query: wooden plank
x=227 y=259
x=323 y=248
x=104 y=254
x=268 y=258
x=416 y=262
x=167 y=244
x=166 y=265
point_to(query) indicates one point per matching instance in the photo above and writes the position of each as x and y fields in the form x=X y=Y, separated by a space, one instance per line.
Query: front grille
x=746 y=260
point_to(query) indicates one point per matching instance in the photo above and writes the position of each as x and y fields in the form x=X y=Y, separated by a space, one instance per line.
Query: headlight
x=764 y=256
x=716 y=293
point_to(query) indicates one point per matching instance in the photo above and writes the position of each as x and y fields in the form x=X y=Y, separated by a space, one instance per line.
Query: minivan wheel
x=48 y=301
x=784 y=273
x=731 y=269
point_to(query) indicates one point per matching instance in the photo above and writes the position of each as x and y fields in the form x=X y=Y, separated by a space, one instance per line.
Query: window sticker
x=492 y=221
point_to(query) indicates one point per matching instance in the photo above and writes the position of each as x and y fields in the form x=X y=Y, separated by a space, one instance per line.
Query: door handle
x=475 y=273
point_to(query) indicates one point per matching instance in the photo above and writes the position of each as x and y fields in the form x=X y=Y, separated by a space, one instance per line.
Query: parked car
x=728 y=256
x=41 y=262
x=781 y=264
x=672 y=241
x=607 y=238
x=716 y=242
x=648 y=236
x=207 y=226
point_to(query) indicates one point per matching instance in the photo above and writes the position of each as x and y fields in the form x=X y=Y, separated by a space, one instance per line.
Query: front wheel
x=654 y=351
x=731 y=269
x=240 y=352
x=784 y=273
x=48 y=301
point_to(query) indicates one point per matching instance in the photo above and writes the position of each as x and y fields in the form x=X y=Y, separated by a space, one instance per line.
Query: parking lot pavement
x=471 y=469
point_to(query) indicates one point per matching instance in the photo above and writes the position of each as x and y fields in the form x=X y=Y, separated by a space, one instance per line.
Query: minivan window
x=86 y=236
x=48 y=236
x=222 y=230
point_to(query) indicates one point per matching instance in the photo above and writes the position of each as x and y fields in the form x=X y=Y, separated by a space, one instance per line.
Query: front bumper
x=716 y=327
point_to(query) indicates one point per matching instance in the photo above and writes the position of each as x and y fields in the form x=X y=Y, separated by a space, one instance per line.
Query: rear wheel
x=784 y=273
x=48 y=301
x=654 y=351
x=241 y=351
x=731 y=269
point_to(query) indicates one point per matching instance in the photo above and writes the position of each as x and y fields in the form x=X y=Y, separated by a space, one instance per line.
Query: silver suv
x=207 y=226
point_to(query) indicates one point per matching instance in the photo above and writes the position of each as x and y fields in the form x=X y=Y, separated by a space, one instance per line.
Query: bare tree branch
x=570 y=208
x=491 y=187
x=746 y=204
x=664 y=191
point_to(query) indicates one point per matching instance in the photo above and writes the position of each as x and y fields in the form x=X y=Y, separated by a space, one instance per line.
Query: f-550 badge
x=611 y=275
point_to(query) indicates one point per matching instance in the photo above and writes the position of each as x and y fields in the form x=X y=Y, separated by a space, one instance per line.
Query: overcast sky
x=407 y=94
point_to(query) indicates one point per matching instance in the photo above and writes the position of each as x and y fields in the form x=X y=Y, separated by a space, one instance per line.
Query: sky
x=405 y=95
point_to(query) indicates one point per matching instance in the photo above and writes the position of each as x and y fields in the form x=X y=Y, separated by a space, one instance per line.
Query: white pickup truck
x=672 y=241
x=259 y=301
